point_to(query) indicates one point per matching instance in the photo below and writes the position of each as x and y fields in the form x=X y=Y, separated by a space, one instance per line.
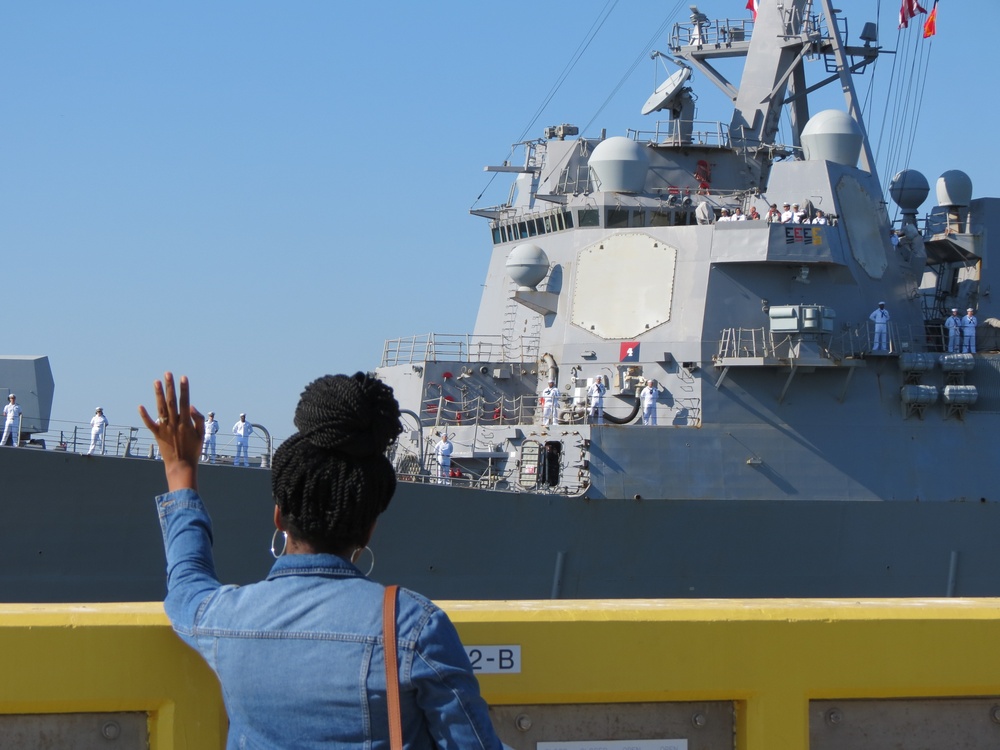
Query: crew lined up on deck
x=791 y=214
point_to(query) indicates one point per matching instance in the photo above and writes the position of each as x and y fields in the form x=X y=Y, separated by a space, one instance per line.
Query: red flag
x=908 y=10
x=752 y=7
x=930 y=27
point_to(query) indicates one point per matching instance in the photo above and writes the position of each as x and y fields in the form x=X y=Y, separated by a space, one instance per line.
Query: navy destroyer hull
x=85 y=529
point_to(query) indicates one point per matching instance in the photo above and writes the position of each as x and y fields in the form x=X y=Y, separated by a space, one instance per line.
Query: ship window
x=589 y=217
x=569 y=219
x=661 y=218
x=540 y=225
x=557 y=219
x=638 y=218
x=497 y=239
x=522 y=230
x=548 y=223
x=617 y=218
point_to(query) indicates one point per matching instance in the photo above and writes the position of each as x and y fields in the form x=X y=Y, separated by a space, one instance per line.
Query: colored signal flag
x=930 y=26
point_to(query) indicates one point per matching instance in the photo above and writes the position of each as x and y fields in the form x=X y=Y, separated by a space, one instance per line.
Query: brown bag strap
x=391 y=668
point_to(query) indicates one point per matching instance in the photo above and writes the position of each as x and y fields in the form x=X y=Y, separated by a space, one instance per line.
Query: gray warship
x=800 y=449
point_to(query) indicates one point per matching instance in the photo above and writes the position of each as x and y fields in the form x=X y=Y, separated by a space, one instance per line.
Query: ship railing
x=853 y=342
x=720 y=33
x=493 y=410
x=447 y=347
x=696 y=132
x=128 y=441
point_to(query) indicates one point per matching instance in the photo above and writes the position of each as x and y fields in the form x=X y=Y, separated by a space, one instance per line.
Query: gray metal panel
x=956 y=724
x=120 y=731
x=30 y=378
x=705 y=726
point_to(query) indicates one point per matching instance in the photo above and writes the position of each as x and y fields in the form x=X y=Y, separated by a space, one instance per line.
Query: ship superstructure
x=616 y=260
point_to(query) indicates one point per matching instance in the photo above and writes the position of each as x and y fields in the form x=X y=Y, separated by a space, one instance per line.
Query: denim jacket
x=299 y=655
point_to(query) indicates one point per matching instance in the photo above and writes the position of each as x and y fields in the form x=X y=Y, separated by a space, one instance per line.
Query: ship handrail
x=454 y=347
x=760 y=343
x=130 y=441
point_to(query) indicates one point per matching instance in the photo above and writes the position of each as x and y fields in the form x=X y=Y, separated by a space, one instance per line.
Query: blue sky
x=258 y=193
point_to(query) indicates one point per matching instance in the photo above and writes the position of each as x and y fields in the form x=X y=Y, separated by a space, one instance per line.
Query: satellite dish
x=666 y=91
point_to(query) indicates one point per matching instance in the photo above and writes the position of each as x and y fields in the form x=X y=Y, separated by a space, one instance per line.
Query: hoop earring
x=357 y=554
x=274 y=543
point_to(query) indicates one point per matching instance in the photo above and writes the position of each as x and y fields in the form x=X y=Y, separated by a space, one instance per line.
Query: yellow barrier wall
x=769 y=657
x=87 y=658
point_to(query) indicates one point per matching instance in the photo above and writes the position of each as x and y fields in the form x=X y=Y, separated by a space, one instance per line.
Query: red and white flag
x=752 y=7
x=908 y=10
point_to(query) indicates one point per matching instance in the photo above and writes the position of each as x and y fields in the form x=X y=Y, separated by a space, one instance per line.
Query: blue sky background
x=258 y=193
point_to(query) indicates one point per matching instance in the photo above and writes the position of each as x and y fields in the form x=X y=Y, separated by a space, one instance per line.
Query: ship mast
x=774 y=75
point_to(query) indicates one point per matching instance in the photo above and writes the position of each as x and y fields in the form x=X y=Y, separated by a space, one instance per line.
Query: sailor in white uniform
x=596 y=395
x=443 y=451
x=954 y=325
x=211 y=430
x=242 y=430
x=969 y=323
x=97 y=424
x=12 y=415
x=650 y=396
x=550 y=401
x=881 y=319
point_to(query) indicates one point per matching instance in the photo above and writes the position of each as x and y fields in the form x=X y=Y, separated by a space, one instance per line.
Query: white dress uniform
x=242 y=430
x=550 y=400
x=11 y=413
x=443 y=452
x=954 y=325
x=969 y=323
x=650 y=396
x=881 y=319
x=596 y=395
x=97 y=425
x=208 y=446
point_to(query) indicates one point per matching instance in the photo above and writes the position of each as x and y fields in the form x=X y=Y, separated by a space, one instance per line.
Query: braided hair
x=332 y=478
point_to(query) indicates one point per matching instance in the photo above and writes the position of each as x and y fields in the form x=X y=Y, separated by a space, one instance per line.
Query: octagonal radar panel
x=607 y=301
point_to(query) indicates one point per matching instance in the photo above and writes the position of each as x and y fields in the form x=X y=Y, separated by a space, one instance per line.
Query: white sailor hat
x=242 y=414
x=954 y=309
x=211 y=414
x=968 y=309
x=786 y=203
x=12 y=395
x=882 y=303
x=795 y=205
x=98 y=409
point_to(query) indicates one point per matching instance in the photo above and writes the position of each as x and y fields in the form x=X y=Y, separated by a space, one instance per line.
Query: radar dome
x=832 y=135
x=954 y=188
x=527 y=265
x=620 y=165
x=909 y=189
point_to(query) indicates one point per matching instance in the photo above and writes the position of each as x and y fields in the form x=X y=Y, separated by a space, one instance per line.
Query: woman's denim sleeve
x=187 y=539
x=447 y=690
